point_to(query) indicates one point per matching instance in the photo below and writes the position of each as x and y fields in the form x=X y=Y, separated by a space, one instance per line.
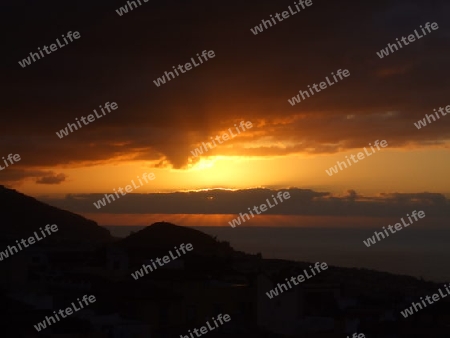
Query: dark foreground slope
x=22 y=215
x=171 y=299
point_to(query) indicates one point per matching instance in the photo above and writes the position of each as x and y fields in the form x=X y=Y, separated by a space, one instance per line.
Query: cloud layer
x=302 y=202
x=251 y=78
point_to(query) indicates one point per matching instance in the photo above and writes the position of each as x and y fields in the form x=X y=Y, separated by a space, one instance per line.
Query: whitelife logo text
x=146 y=268
x=360 y=155
x=188 y=66
x=49 y=229
x=284 y=14
x=411 y=38
x=300 y=278
x=11 y=158
x=90 y=118
x=323 y=85
x=128 y=189
x=49 y=320
x=199 y=151
x=380 y=235
x=53 y=47
x=263 y=207
x=423 y=123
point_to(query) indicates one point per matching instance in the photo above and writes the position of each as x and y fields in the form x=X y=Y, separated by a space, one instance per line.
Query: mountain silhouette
x=22 y=215
x=162 y=236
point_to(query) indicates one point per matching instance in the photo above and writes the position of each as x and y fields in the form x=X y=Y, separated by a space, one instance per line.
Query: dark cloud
x=301 y=202
x=52 y=179
x=14 y=176
x=251 y=78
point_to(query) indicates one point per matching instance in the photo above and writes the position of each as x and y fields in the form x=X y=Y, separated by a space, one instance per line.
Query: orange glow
x=396 y=171
x=198 y=220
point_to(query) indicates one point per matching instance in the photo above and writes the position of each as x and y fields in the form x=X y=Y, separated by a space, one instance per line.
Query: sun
x=204 y=163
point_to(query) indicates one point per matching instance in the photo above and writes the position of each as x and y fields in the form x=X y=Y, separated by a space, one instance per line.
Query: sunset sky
x=251 y=78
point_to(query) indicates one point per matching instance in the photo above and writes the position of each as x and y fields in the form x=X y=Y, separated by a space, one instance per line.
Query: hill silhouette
x=22 y=215
x=165 y=236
